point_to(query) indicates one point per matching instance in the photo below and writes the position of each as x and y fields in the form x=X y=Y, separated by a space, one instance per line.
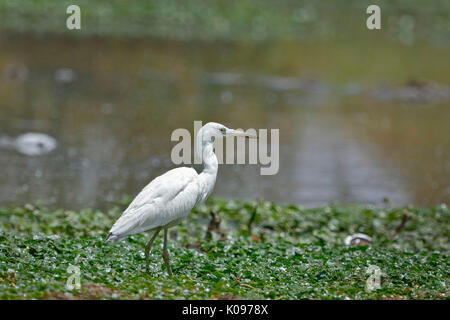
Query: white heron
x=168 y=199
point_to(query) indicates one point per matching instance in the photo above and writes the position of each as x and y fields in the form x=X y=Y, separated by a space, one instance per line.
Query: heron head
x=212 y=130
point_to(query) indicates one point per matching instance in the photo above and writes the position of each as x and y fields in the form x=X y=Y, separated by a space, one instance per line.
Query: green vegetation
x=230 y=19
x=259 y=250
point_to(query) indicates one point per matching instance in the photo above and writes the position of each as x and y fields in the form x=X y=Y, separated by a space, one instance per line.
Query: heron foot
x=166 y=261
x=147 y=250
x=165 y=254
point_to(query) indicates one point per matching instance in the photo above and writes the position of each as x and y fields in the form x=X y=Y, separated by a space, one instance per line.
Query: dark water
x=358 y=124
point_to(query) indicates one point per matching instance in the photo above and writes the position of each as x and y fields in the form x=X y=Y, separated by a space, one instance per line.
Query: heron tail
x=110 y=237
x=114 y=237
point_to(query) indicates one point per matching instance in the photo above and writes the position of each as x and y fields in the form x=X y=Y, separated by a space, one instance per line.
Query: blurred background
x=363 y=115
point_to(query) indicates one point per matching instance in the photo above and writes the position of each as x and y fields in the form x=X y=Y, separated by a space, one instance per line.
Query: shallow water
x=358 y=124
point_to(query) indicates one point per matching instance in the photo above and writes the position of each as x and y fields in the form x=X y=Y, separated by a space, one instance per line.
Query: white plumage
x=169 y=198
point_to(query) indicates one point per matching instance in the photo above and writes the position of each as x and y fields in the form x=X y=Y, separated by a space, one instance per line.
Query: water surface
x=364 y=123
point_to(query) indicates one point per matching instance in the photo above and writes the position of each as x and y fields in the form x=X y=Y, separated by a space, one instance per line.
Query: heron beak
x=239 y=133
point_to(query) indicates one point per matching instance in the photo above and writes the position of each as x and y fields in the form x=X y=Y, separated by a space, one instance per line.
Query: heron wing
x=167 y=198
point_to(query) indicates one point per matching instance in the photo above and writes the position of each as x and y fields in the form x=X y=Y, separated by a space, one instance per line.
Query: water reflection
x=112 y=106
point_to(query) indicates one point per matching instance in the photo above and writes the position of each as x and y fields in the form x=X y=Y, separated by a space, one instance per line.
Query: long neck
x=209 y=159
x=205 y=149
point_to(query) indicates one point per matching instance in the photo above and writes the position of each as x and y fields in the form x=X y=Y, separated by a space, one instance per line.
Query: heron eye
x=223 y=130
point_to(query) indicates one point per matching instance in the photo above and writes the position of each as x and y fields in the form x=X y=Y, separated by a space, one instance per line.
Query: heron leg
x=147 y=248
x=166 y=254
